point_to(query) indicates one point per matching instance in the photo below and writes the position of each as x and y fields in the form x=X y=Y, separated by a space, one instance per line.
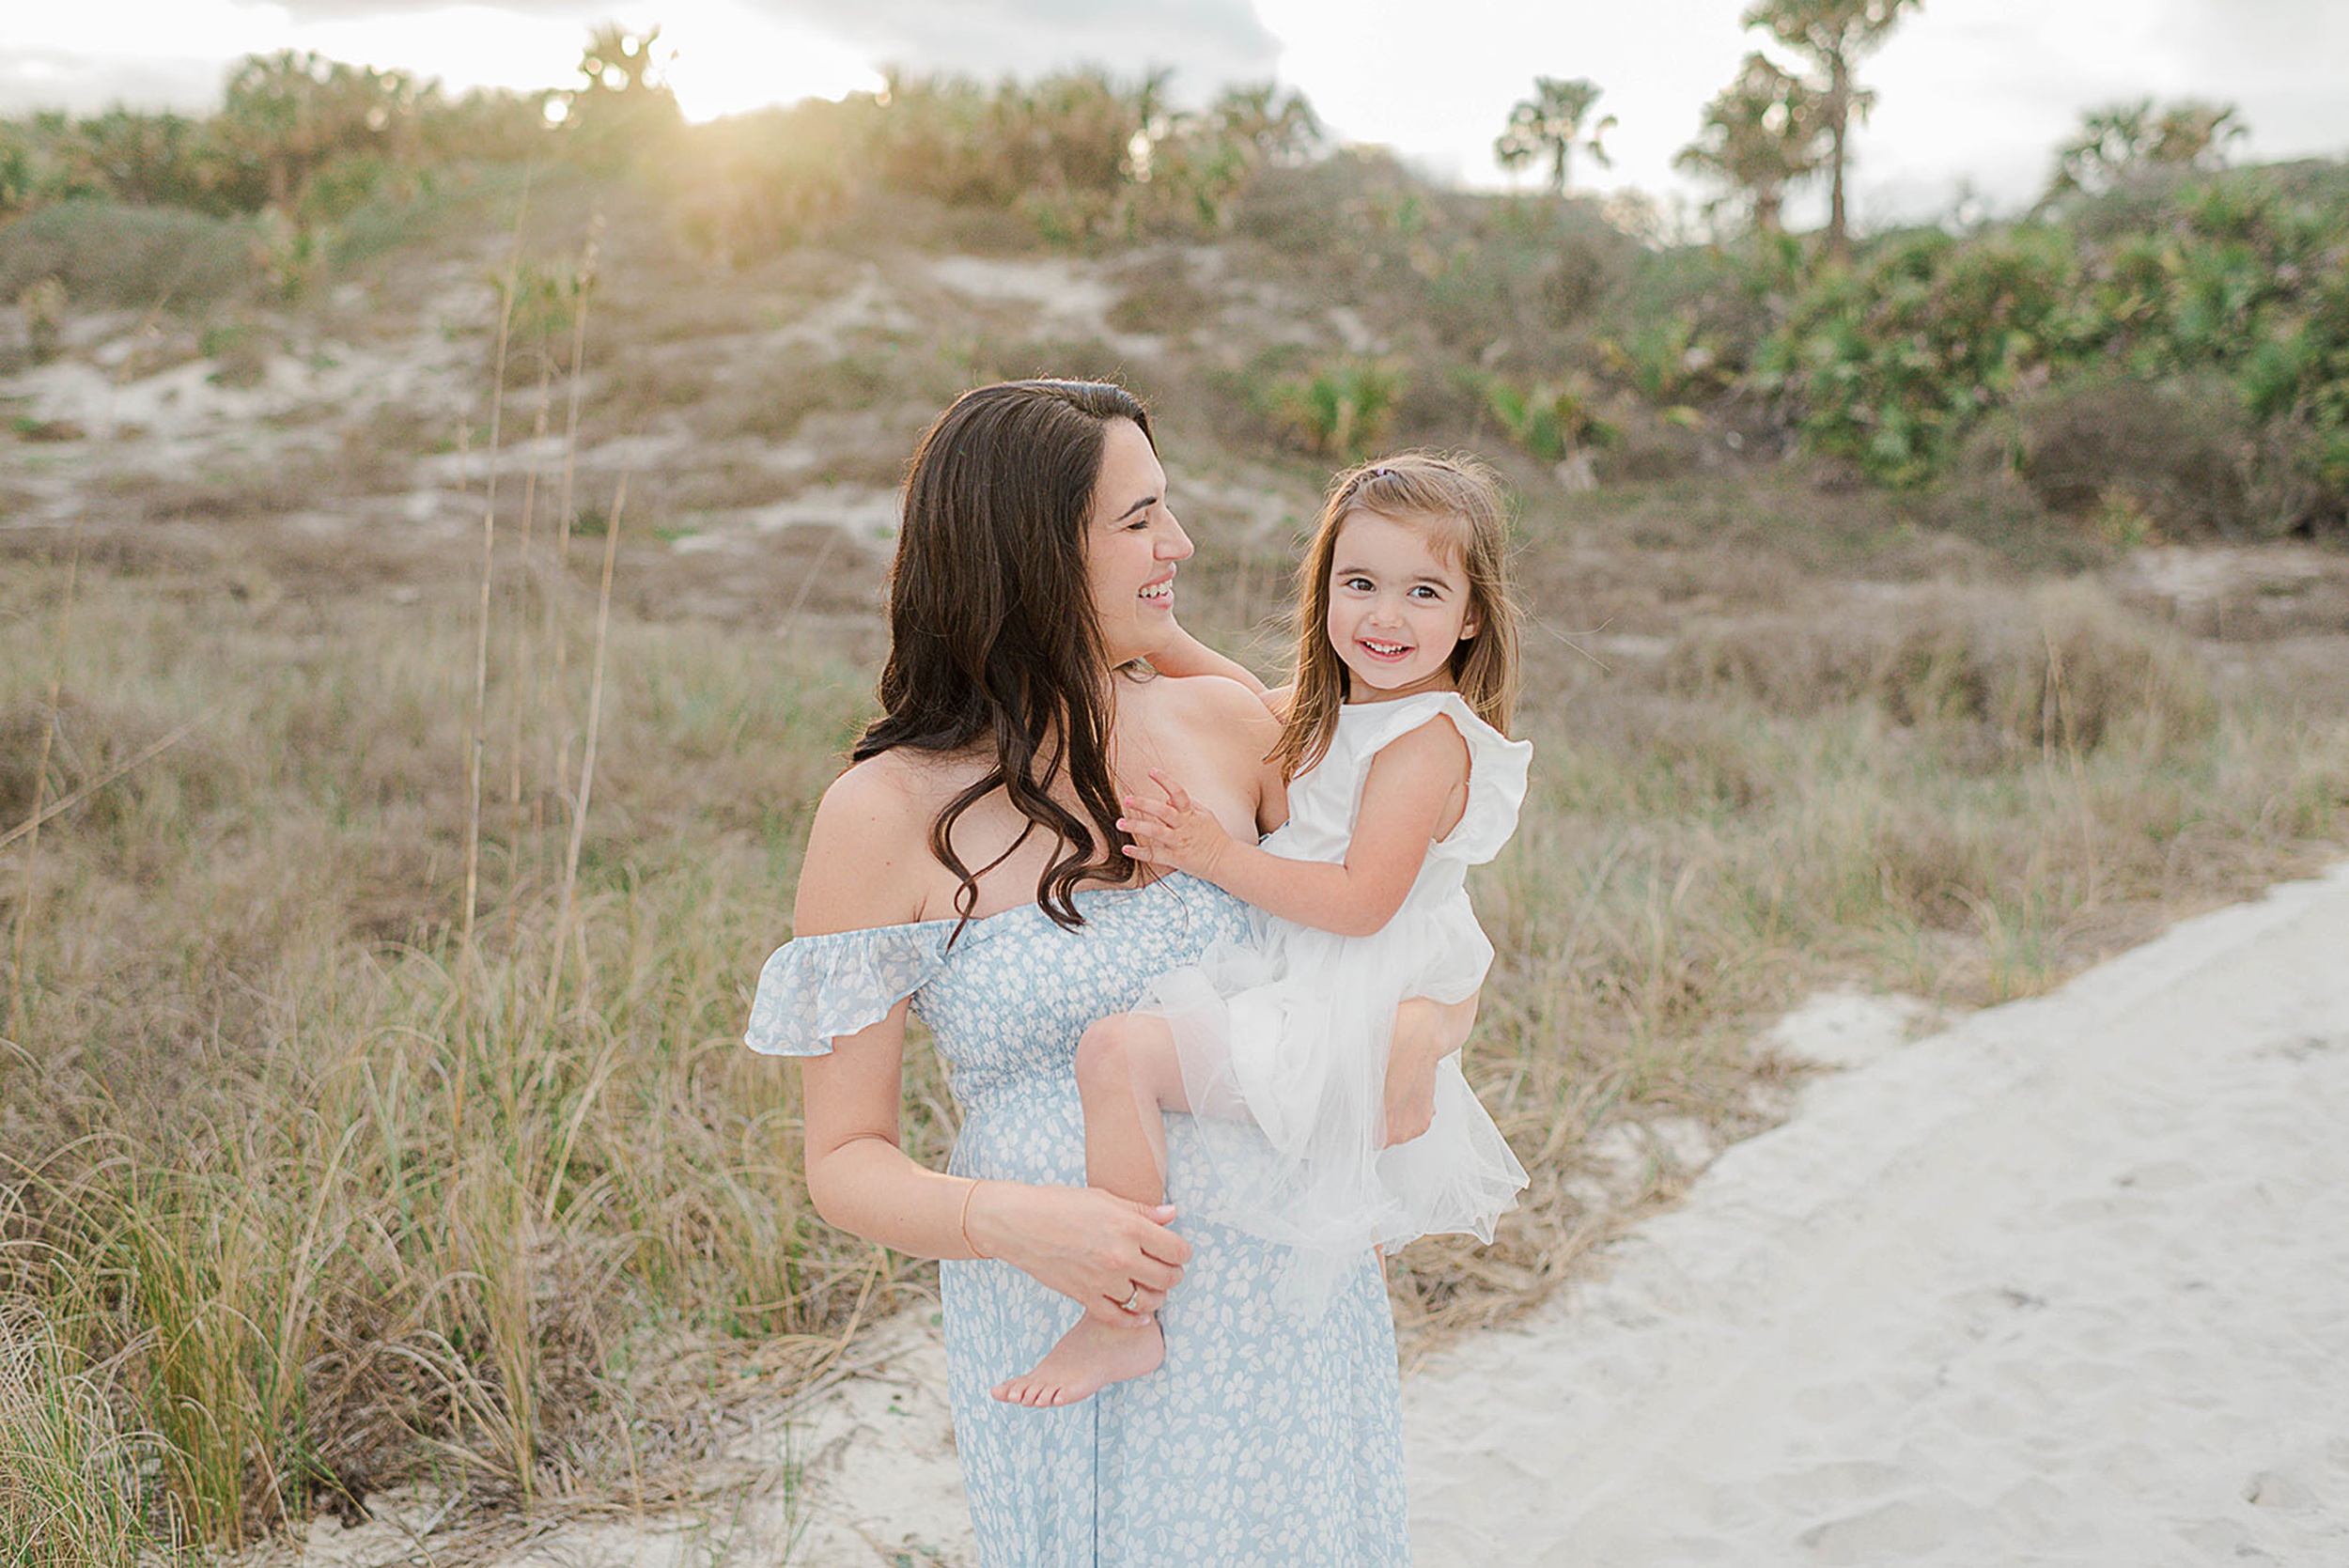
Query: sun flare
x=720 y=57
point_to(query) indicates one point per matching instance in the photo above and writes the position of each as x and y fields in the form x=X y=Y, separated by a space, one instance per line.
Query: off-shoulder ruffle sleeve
x=814 y=989
x=1496 y=772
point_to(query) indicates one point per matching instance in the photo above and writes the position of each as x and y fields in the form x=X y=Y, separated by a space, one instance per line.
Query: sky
x=1973 y=94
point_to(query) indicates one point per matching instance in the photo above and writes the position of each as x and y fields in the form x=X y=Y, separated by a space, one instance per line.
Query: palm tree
x=286 y=113
x=2121 y=138
x=1760 y=133
x=2192 y=133
x=621 y=107
x=618 y=59
x=1551 y=122
x=1832 y=34
x=1275 y=127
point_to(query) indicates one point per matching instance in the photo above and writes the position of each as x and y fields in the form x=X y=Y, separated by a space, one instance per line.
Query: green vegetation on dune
x=2215 y=295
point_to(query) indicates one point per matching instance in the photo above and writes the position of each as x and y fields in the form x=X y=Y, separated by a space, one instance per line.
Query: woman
x=969 y=862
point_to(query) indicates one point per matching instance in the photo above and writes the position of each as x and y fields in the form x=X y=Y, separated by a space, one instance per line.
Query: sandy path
x=2068 y=1284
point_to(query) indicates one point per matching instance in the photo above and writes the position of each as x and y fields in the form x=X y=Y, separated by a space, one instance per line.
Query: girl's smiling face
x=1398 y=606
x=1132 y=543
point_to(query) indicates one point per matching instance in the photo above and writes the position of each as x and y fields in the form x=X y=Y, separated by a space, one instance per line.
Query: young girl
x=1399 y=778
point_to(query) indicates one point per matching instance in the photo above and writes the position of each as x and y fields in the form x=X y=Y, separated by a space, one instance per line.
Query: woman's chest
x=1009 y=852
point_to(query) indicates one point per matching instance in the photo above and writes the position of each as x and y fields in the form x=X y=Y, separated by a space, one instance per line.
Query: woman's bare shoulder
x=868 y=856
x=1214 y=706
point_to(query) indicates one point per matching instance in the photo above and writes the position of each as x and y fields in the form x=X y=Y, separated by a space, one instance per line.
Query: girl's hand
x=1174 y=831
x=1099 y=1250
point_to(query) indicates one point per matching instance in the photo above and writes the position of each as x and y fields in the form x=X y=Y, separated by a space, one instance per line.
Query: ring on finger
x=1131 y=1296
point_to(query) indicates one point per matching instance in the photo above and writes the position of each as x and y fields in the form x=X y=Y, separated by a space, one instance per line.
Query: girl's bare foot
x=1088 y=1359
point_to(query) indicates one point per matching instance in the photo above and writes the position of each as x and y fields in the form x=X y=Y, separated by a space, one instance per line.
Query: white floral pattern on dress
x=1262 y=1440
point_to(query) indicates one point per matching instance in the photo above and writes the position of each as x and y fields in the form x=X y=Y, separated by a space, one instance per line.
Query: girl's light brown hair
x=1454 y=497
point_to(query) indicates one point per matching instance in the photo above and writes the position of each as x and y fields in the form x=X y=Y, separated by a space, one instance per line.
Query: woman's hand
x=1174 y=831
x=1110 y=1256
x=1424 y=1033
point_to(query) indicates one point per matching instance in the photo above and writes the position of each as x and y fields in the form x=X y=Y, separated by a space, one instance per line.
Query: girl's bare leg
x=1128 y=1078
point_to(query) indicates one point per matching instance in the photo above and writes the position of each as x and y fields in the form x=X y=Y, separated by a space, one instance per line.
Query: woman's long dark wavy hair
x=993 y=640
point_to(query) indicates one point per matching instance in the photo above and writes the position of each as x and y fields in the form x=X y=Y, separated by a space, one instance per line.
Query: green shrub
x=1549 y=419
x=128 y=257
x=2226 y=290
x=339 y=188
x=1668 y=361
x=2172 y=450
x=1891 y=365
x=1342 y=410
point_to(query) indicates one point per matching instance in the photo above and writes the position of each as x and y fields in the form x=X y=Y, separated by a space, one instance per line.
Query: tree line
x=1892 y=355
x=1772 y=128
x=1079 y=153
x=1082 y=154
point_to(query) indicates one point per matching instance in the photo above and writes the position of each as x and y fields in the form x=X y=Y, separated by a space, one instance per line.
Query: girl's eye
x=1423 y=591
x=1355 y=585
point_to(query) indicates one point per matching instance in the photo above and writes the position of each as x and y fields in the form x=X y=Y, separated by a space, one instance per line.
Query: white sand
x=2066 y=1283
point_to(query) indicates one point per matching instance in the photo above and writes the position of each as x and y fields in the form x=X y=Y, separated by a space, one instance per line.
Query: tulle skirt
x=1283 y=1048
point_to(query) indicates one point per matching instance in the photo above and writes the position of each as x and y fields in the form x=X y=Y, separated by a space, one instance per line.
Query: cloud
x=2279 y=59
x=366 y=11
x=84 y=85
x=1205 y=42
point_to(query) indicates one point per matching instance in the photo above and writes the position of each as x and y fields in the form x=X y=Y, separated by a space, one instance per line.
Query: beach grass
x=308 y=1197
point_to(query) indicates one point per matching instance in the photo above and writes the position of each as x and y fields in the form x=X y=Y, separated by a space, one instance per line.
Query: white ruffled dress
x=1284 y=1039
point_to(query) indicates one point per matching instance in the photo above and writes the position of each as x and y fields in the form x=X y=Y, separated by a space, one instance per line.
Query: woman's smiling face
x=1132 y=543
x=1398 y=606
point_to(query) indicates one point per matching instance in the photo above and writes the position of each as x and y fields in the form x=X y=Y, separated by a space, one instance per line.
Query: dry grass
x=331 y=1205
x=315 y=1204
x=68 y=1473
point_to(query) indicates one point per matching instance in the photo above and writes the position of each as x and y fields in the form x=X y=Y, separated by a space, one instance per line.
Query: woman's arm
x=1088 y=1245
x=1411 y=788
x=862 y=871
x=1187 y=655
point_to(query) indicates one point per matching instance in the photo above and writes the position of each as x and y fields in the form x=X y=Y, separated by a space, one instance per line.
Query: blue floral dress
x=1263 y=1439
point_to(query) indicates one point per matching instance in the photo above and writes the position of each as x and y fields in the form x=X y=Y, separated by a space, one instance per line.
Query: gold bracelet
x=964 y=1223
